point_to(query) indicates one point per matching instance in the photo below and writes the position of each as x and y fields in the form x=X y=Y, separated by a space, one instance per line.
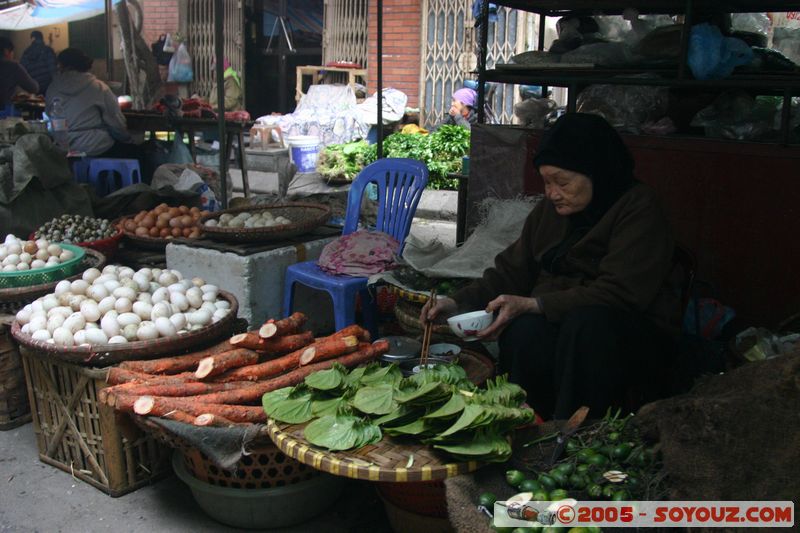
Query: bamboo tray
x=385 y=461
x=109 y=354
x=304 y=216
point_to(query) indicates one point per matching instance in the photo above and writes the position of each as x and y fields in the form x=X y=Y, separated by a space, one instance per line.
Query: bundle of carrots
x=223 y=385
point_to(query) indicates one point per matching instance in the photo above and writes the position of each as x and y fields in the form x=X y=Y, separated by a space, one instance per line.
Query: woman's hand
x=509 y=307
x=431 y=311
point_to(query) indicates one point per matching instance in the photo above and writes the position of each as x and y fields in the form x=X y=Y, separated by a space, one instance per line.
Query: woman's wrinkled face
x=570 y=192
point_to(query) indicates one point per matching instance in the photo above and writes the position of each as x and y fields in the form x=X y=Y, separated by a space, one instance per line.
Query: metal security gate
x=345 y=35
x=449 y=55
x=200 y=41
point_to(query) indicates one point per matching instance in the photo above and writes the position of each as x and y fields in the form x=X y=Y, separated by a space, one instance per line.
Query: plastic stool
x=119 y=173
x=80 y=169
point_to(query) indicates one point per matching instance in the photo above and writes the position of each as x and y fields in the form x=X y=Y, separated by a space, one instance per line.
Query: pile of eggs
x=120 y=305
x=261 y=219
x=18 y=255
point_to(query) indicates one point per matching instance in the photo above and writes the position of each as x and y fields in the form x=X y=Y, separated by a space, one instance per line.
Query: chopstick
x=426 y=335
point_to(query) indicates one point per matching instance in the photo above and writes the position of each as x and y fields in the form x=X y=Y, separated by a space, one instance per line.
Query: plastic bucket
x=304 y=150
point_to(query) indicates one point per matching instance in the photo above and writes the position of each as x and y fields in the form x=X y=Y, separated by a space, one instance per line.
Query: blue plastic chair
x=400 y=184
x=108 y=175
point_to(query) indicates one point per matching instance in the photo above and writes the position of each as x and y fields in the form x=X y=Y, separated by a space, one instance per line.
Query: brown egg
x=163 y=232
x=176 y=232
x=194 y=234
x=30 y=247
x=194 y=210
x=153 y=232
x=204 y=213
x=187 y=221
x=184 y=209
x=163 y=206
x=149 y=221
x=141 y=231
x=175 y=222
x=130 y=225
x=187 y=231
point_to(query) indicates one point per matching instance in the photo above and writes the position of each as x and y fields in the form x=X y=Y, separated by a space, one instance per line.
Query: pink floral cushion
x=361 y=253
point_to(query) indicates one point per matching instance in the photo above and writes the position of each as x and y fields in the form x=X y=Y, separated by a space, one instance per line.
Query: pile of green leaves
x=442 y=151
x=437 y=406
x=337 y=161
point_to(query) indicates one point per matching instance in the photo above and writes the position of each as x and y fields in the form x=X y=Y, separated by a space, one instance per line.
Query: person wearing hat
x=39 y=60
x=462 y=108
x=583 y=308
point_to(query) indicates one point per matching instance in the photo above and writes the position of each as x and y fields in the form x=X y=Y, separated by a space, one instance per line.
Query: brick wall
x=160 y=16
x=402 y=24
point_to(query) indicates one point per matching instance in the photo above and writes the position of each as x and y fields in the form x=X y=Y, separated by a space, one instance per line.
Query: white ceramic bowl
x=468 y=324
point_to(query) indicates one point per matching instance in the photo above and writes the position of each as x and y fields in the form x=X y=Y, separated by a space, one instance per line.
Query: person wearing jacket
x=462 y=108
x=95 y=122
x=232 y=88
x=582 y=304
x=40 y=61
x=12 y=74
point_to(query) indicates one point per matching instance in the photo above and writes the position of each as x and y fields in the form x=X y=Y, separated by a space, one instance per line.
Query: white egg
x=90 y=311
x=178 y=321
x=145 y=272
x=75 y=322
x=55 y=322
x=38 y=263
x=23 y=316
x=209 y=288
x=222 y=304
x=49 y=302
x=96 y=336
x=41 y=335
x=9 y=268
x=14 y=248
x=38 y=305
x=11 y=259
x=123 y=305
x=141 y=281
x=208 y=306
x=38 y=323
x=3 y=252
x=165 y=327
x=142 y=309
x=128 y=318
x=187 y=284
x=210 y=296
x=106 y=304
x=97 y=292
x=167 y=278
x=102 y=278
x=92 y=325
x=26 y=329
x=129 y=332
x=54 y=249
x=145 y=297
x=195 y=297
x=128 y=283
x=154 y=286
x=42 y=243
x=200 y=318
x=63 y=337
x=109 y=324
x=147 y=332
x=219 y=314
x=177 y=274
x=66 y=255
x=75 y=301
x=155 y=273
x=125 y=272
x=79 y=286
x=79 y=337
x=110 y=269
x=25 y=257
x=161 y=295
x=174 y=309
x=90 y=274
x=23 y=266
x=124 y=292
x=42 y=255
x=111 y=285
x=52 y=261
x=161 y=309
x=64 y=298
x=177 y=287
x=63 y=310
x=198 y=282
x=180 y=300
x=117 y=339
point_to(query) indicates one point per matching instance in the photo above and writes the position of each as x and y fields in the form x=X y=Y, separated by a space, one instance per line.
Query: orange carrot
x=184 y=388
x=328 y=348
x=285 y=326
x=117 y=376
x=172 y=365
x=353 y=329
x=160 y=406
x=273 y=346
x=217 y=364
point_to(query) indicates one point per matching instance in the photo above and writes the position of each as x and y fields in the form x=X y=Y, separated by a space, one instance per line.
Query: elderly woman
x=462 y=108
x=581 y=303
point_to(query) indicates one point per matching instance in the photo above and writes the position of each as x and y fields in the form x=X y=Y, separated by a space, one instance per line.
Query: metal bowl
x=410 y=367
x=401 y=349
x=444 y=350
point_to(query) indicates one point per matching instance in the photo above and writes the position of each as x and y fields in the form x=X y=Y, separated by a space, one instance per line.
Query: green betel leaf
x=353 y=379
x=427 y=393
x=326 y=380
x=389 y=374
x=368 y=433
x=473 y=416
x=454 y=406
x=295 y=408
x=400 y=416
x=417 y=427
x=272 y=399
x=333 y=432
x=328 y=406
x=486 y=446
x=375 y=400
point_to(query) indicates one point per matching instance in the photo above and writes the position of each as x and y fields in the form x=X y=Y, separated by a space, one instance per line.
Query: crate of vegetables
x=155 y=228
x=96 y=233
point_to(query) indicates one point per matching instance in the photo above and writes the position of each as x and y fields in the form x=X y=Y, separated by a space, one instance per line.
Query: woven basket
x=115 y=353
x=14 y=299
x=39 y=276
x=107 y=247
x=305 y=217
x=14 y=407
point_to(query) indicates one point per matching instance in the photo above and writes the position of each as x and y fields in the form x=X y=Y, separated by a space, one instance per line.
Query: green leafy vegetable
x=326 y=380
x=291 y=408
x=341 y=432
x=375 y=399
x=454 y=406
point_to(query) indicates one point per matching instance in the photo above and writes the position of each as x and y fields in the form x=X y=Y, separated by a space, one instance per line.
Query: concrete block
x=257 y=280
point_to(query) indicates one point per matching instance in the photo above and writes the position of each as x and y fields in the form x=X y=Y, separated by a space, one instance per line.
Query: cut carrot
x=353 y=329
x=183 y=388
x=285 y=326
x=217 y=364
x=274 y=346
x=328 y=348
x=159 y=406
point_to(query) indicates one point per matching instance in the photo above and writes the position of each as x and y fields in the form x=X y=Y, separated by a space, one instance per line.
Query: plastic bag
x=625 y=107
x=751 y=22
x=169 y=45
x=180 y=66
x=712 y=56
x=737 y=115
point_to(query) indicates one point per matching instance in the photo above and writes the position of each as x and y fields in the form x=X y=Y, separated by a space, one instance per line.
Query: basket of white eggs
x=118 y=314
x=265 y=223
x=28 y=262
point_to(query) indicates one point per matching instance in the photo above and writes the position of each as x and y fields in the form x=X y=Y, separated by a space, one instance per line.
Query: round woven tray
x=20 y=296
x=304 y=216
x=109 y=354
x=384 y=461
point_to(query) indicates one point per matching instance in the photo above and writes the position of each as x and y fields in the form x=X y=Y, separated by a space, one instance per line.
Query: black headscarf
x=587 y=144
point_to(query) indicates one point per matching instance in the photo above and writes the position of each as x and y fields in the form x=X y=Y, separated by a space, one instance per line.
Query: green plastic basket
x=39 y=276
